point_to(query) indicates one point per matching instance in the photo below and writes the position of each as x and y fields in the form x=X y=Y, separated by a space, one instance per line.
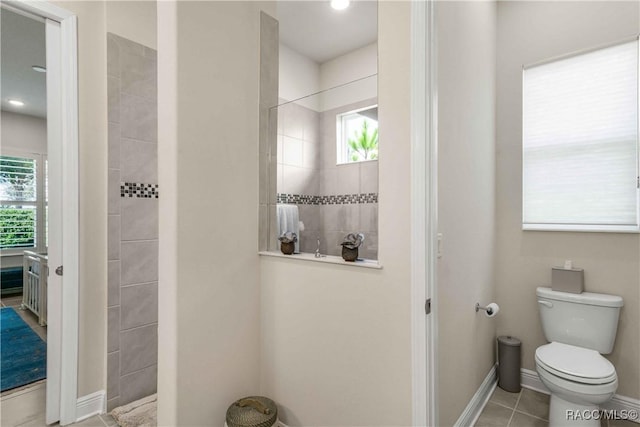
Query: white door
x=55 y=196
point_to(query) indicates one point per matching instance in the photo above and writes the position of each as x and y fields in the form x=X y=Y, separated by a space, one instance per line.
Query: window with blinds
x=20 y=202
x=580 y=142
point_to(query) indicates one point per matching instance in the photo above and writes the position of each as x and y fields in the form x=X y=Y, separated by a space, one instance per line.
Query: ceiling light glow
x=39 y=68
x=340 y=4
x=16 y=103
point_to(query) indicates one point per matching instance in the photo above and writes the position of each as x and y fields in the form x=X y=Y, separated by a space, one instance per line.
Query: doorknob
x=59 y=270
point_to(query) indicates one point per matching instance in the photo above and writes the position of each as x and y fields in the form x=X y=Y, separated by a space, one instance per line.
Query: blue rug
x=23 y=354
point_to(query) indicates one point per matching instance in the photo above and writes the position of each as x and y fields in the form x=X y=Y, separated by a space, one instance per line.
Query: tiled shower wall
x=352 y=178
x=299 y=163
x=306 y=163
x=132 y=347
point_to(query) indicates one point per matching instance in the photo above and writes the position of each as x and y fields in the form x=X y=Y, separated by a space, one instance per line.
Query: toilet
x=580 y=328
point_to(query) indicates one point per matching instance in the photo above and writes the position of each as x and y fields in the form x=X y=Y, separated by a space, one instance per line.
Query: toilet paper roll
x=492 y=309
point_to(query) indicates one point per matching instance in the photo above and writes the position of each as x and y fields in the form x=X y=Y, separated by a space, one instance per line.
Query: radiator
x=34 y=285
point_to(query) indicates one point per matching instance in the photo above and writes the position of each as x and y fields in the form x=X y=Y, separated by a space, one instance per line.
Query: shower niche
x=319 y=144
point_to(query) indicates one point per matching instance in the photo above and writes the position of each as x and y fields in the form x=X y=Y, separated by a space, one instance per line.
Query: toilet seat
x=576 y=364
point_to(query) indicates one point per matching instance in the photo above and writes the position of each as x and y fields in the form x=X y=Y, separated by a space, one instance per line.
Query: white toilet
x=579 y=328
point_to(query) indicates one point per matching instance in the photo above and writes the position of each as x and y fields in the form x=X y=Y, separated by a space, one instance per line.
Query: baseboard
x=530 y=379
x=473 y=410
x=90 y=405
x=623 y=404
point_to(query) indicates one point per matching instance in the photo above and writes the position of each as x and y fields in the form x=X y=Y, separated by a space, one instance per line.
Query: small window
x=22 y=207
x=580 y=142
x=357 y=135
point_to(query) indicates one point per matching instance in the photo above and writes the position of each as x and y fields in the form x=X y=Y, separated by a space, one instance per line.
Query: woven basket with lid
x=253 y=411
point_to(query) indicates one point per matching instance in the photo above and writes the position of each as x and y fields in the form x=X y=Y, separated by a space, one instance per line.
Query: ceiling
x=311 y=28
x=22 y=46
x=321 y=33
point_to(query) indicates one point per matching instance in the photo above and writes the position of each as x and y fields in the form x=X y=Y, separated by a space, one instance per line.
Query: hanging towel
x=288 y=220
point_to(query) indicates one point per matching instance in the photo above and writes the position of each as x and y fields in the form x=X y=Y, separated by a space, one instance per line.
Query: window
x=22 y=203
x=357 y=135
x=580 y=142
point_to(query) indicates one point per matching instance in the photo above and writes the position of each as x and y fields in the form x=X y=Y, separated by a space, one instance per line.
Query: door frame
x=424 y=214
x=70 y=189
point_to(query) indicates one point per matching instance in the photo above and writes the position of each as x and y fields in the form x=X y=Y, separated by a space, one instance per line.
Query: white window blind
x=18 y=202
x=580 y=142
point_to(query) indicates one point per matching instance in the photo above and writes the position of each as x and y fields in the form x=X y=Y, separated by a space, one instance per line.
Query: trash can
x=509 y=363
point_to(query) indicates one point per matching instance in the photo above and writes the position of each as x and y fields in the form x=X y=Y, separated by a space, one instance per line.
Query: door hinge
x=427 y=306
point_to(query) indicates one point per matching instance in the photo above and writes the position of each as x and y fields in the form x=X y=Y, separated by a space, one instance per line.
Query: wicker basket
x=253 y=411
x=287 y=248
x=349 y=254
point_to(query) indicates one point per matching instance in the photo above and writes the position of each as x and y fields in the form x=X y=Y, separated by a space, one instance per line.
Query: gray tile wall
x=306 y=165
x=298 y=165
x=353 y=178
x=132 y=338
x=267 y=128
x=297 y=155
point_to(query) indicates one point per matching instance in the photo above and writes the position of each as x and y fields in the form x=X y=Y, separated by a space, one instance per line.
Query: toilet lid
x=575 y=363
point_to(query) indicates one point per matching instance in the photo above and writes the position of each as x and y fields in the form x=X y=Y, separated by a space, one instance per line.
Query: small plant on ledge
x=350 y=245
x=288 y=242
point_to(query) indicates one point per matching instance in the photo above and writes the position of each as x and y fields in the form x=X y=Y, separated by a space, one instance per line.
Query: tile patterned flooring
x=525 y=409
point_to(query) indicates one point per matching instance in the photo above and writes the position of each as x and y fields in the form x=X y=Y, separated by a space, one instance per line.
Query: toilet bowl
x=579 y=380
x=579 y=328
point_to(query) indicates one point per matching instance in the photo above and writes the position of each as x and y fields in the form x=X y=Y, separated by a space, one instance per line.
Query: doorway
x=23 y=208
x=38 y=167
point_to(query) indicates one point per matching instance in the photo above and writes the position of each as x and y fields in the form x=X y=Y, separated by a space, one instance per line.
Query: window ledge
x=327 y=259
x=582 y=228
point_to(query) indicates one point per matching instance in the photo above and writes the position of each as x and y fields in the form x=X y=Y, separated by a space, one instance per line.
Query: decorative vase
x=287 y=248
x=349 y=254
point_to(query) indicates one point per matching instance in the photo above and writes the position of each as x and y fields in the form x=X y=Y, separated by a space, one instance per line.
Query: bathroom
x=332 y=343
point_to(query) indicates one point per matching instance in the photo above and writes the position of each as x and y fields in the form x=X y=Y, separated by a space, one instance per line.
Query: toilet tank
x=586 y=320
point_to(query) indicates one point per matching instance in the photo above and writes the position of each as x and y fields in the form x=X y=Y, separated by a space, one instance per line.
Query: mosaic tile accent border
x=340 y=199
x=139 y=190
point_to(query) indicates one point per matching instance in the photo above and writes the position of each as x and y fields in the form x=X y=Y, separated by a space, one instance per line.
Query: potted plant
x=350 y=245
x=288 y=242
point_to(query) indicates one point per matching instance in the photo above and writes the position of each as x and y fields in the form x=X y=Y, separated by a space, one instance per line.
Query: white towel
x=288 y=220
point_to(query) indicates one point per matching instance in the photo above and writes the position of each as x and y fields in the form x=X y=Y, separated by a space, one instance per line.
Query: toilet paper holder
x=488 y=309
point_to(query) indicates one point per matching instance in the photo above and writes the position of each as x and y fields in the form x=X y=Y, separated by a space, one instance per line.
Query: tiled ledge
x=327 y=259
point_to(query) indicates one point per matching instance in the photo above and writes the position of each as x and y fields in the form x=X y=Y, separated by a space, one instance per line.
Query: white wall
x=23 y=133
x=353 y=68
x=298 y=76
x=466 y=196
x=335 y=340
x=530 y=32
x=92 y=76
x=168 y=215
x=133 y=20
x=209 y=342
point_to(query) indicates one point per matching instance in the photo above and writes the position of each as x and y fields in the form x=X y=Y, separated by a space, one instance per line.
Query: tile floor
x=525 y=409
x=26 y=407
